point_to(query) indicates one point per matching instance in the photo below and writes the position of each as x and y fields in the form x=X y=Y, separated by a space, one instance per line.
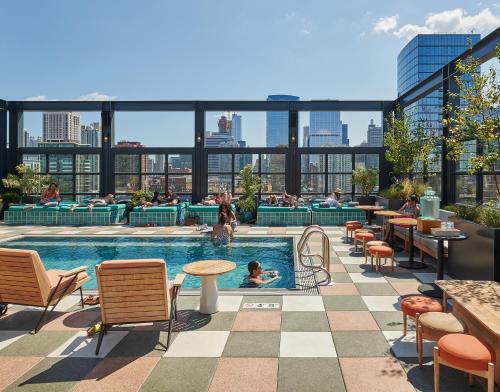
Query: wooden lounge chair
x=136 y=291
x=24 y=281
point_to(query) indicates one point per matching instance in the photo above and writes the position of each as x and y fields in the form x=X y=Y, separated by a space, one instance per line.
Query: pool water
x=275 y=253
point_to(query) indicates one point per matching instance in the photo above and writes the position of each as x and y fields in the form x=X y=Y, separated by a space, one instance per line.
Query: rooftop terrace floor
x=348 y=338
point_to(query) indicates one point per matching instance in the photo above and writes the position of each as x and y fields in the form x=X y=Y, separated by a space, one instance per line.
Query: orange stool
x=363 y=237
x=415 y=305
x=380 y=251
x=350 y=228
x=373 y=243
x=466 y=353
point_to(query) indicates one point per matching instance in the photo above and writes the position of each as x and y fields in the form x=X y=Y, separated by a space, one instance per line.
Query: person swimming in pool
x=255 y=274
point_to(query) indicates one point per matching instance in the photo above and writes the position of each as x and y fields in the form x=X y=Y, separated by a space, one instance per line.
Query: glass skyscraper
x=325 y=129
x=277 y=123
x=421 y=57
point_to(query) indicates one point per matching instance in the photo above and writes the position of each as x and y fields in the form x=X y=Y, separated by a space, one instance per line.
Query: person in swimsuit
x=255 y=275
x=222 y=232
x=51 y=195
x=226 y=208
x=410 y=208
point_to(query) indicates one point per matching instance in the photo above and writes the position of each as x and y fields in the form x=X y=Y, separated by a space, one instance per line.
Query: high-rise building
x=91 y=134
x=421 y=57
x=277 y=123
x=345 y=134
x=28 y=140
x=325 y=129
x=61 y=127
x=236 y=130
x=305 y=136
x=374 y=135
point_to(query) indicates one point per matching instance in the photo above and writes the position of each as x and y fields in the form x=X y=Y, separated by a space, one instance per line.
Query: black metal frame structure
x=11 y=125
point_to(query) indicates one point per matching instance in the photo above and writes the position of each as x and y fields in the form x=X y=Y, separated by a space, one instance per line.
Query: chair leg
x=471 y=379
x=436 y=369
x=102 y=332
x=37 y=327
x=170 y=323
x=491 y=377
x=371 y=260
x=405 y=323
x=3 y=308
x=81 y=298
x=419 y=344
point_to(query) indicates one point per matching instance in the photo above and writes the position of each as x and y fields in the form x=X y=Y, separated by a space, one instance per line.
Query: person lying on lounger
x=97 y=202
x=217 y=198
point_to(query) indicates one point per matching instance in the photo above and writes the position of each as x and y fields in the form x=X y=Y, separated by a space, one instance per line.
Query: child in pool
x=255 y=273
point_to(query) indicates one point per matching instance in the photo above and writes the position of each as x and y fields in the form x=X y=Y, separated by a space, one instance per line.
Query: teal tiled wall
x=157 y=218
x=334 y=218
x=284 y=218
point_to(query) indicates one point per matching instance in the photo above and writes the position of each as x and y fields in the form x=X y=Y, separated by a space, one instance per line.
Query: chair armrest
x=179 y=279
x=74 y=271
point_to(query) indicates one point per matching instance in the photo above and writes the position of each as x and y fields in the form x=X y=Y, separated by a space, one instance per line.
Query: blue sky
x=218 y=50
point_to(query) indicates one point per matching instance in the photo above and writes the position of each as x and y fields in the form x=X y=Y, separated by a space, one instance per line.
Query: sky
x=216 y=50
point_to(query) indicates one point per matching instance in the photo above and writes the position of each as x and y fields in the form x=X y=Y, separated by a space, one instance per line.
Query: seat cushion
x=365 y=236
x=437 y=324
x=465 y=351
x=376 y=243
x=132 y=263
x=352 y=222
x=380 y=250
x=353 y=226
x=420 y=304
x=53 y=276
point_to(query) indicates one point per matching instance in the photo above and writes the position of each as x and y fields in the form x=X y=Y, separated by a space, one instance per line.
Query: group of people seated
x=218 y=199
x=170 y=199
x=286 y=200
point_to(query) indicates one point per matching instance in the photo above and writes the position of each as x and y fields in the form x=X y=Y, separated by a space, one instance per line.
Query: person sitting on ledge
x=222 y=232
x=50 y=197
x=226 y=208
x=289 y=200
x=411 y=208
x=171 y=199
x=255 y=274
x=211 y=202
x=339 y=194
x=332 y=200
x=96 y=202
x=272 y=201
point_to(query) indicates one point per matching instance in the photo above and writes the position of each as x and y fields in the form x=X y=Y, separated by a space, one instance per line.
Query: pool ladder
x=304 y=251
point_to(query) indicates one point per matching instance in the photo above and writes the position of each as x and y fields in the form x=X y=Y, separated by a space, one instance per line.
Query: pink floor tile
x=339 y=289
x=374 y=375
x=73 y=320
x=11 y=368
x=246 y=374
x=338 y=267
x=257 y=321
x=352 y=321
x=118 y=374
x=405 y=288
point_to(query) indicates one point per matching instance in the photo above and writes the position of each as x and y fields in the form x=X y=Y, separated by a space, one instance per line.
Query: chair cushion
x=376 y=243
x=420 y=304
x=353 y=226
x=365 y=236
x=132 y=263
x=53 y=276
x=380 y=250
x=352 y=222
x=437 y=324
x=465 y=351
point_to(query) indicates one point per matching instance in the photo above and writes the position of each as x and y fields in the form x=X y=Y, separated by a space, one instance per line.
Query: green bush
x=365 y=178
x=140 y=197
x=10 y=197
x=403 y=190
x=466 y=212
x=28 y=181
x=489 y=214
x=251 y=184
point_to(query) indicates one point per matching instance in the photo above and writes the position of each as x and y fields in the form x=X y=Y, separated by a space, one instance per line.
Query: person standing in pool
x=255 y=274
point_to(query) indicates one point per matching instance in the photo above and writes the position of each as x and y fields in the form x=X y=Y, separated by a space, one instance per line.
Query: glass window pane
x=312 y=163
x=370 y=161
x=220 y=163
x=469 y=153
x=126 y=163
x=241 y=160
x=466 y=189
x=153 y=183
x=36 y=162
x=87 y=183
x=219 y=183
x=60 y=163
x=154 y=163
x=342 y=181
x=87 y=163
x=180 y=163
x=126 y=183
x=312 y=183
x=489 y=187
x=65 y=182
x=273 y=183
x=339 y=163
x=180 y=183
x=273 y=163
x=433 y=180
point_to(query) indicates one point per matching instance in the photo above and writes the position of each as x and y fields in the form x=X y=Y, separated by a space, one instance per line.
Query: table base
x=209 y=296
x=411 y=265
x=431 y=290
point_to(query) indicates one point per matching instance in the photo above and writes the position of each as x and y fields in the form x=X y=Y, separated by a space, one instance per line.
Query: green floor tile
x=310 y=374
x=252 y=344
x=391 y=321
x=39 y=345
x=221 y=321
x=304 y=322
x=341 y=277
x=344 y=302
x=142 y=343
x=181 y=375
x=375 y=289
x=361 y=344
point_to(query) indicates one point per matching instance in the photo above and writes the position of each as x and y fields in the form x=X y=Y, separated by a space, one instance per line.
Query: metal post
x=292 y=174
x=385 y=167
x=15 y=130
x=3 y=143
x=106 y=162
x=200 y=169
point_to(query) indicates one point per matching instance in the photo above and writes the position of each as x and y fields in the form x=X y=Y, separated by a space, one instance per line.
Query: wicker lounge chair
x=24 y=281
x=136 y=291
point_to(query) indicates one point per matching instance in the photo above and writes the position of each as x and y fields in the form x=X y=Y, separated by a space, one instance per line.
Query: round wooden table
x=387 y=214
x=208 y=270
x=369 y=211
x=409 y=263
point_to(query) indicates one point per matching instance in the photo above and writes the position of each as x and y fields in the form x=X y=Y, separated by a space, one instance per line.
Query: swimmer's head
x=252 y=266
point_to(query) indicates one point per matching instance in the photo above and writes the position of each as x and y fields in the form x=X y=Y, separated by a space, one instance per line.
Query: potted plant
x=365 y=180
x=251 y=185
x=6 y=199
x=476 y=119
x=29 y=183
x=395 y=196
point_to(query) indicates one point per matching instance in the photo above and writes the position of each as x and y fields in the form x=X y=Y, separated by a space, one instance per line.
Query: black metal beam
x=15 y=130
x=3 y=143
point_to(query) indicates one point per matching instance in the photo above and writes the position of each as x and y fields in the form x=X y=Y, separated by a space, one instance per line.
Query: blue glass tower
x=277 y=123
x=325 y=129
x=421 y=57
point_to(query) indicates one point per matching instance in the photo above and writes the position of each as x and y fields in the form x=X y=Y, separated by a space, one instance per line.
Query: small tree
x=409 y=145
x=365 y=178
x=477 y=118
x=251 y=184
x=27 y=181
x=140 y=197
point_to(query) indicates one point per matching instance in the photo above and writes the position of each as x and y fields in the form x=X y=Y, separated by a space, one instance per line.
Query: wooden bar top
x=480 y=298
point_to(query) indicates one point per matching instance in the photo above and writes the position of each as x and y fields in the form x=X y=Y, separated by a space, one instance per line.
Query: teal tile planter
x=161 y=216
x=335 y=216
x=208 y=215
x=283 y=216
x=31 y=217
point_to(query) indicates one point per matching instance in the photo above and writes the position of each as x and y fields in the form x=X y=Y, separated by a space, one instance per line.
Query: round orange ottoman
x=351 y=228
x=418 y=304
x=362 y=237
x=380 y=251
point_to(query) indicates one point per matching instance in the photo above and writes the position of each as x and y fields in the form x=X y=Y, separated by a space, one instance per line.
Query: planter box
x=478 y=257
x=367 y=200
x=390 y=204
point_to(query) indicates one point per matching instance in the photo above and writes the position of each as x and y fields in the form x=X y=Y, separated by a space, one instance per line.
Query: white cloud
x=452 y=21
x=305 y=32
x=95 y=96
x=386 y=24
x=37 y=98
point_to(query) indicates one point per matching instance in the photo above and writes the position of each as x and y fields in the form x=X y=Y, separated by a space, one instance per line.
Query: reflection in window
x=219 y=183
x=273 y=183
x=313 y=183
x=466 y=189
x=127 y=163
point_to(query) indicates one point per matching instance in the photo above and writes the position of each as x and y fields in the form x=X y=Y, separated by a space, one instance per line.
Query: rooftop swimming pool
x=275 y=253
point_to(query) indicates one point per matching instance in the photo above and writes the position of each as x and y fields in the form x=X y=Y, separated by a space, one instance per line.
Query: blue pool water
x=275 y=253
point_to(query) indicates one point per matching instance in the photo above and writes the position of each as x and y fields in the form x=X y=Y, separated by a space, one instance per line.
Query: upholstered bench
x=332 y=216
x=38 y=215
x=158 y=215
x=283 y=216
x=98 y=216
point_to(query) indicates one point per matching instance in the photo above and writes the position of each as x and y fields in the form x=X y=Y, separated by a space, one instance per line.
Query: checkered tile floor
x=349 y=338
